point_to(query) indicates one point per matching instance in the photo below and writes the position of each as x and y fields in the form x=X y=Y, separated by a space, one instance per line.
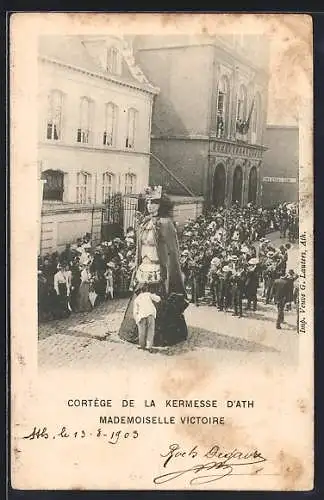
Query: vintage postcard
x=161 y=251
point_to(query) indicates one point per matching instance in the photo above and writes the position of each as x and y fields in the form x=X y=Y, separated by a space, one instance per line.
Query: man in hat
x=251 y=286
x=282 y=258
x=239 y=279
x=185 y=267
x=213 y=277
x=227 y=287
x=219 y=228
x=280 y=295
x=291 y=277
x=67 y=254
x=194 y=279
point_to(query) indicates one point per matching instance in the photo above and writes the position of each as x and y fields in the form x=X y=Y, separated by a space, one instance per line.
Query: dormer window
x=112 y=60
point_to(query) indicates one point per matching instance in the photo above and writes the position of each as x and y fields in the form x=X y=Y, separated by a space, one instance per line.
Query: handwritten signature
x=221 y=462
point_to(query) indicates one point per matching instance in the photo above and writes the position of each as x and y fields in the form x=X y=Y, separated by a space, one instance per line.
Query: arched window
x=256 y=117
x=84 y=120
x=54 y=185
x=130 y=183
x=241 y=113
x=219 y=185
x=237 y=185
x=109 y=135
x=131 y=128
x=253 y=185
x=107 y=185
x=83 y=188
x=222 y=108
x=54 y=116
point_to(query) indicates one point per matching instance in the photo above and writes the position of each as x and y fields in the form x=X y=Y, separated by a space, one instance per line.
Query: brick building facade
x=208 y=88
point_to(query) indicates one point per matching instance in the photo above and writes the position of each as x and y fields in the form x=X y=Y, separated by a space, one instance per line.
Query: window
x=83 y=188
x=131 y=128
x=256 y=118
x=54 y=116
x=242 y=104
x=84 y=123
x=222 y=111
x=256 y=113
x=112 y=60
x=110 y=124
x=107 y=185
x=54 y=185
x=130 y=183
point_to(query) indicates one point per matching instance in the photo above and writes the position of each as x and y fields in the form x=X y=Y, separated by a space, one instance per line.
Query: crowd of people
x=220 y=262
x=220 y=258
x=83 y=275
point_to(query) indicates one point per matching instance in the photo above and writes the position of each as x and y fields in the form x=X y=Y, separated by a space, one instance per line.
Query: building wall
x=61 y=225
x=95 y=158
x=181 y=73
x=184 y=210
x=281 y=161
x=184 y=126
x=188 y=161
x=229 y=63
x=71 y=160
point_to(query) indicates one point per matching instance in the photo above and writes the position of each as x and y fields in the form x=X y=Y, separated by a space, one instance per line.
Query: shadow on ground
x=199 y=338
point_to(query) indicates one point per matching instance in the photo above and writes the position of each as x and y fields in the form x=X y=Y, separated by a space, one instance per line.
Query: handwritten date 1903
x=64 y=433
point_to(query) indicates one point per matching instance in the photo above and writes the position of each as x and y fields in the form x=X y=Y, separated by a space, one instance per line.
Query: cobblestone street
x=91 y=340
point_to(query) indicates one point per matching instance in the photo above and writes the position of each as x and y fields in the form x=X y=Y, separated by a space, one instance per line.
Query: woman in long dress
x=61 y=289
x=84 y=304
x=157 y=263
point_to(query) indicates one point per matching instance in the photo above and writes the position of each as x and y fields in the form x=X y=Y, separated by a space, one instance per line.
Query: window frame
x=114 y=122
x=131 y=127
x=50 y=117
x=84 y=133
x=105 y=175
x=243 y=90
x=223 y=113
x=44 y=176
x=83 y=188
x=130 y=175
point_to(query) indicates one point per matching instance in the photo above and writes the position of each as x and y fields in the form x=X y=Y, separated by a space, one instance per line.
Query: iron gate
x=119 y=214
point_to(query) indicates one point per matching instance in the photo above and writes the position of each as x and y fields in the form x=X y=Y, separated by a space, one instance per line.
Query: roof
x=72 y=51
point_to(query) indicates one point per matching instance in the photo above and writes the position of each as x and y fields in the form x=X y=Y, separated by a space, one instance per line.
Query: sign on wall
x=289 y=180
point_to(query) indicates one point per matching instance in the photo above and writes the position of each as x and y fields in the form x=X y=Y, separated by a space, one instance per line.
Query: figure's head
x=153 y=206
x=161 y=206
x=142 y=288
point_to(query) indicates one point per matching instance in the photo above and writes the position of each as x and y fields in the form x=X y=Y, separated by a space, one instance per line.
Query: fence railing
x=119 y=213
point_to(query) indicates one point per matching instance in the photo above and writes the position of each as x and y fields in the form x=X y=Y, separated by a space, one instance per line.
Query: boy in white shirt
x=144 y=312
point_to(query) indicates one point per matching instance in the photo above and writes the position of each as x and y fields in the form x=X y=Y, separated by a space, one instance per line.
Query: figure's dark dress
x=170 y=326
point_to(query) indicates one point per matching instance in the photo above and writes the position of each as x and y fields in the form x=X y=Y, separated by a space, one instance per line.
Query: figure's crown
x=153 y=192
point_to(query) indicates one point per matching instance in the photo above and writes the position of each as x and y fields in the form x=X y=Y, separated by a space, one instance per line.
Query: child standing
x=144 y=312
x=109 y=281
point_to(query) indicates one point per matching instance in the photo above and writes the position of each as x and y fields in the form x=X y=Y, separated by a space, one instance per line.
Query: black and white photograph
x=160 y=173
x=162 y=258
